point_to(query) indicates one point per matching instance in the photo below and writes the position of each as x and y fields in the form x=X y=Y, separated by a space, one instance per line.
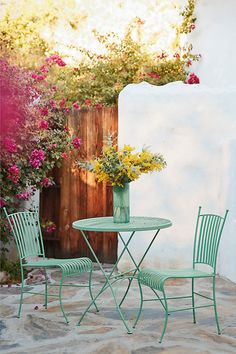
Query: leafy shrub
x=34 y=138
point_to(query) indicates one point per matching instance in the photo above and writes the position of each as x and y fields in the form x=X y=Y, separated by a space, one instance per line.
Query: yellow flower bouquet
x=121 y=166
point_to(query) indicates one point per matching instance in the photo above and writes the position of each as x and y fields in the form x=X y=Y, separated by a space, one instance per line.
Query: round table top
x=106 y=224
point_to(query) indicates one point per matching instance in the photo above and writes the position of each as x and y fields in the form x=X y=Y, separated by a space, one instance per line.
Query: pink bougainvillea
x=64 y=155
x=49 y=226
x=154 y=75
x=38 y=77
x=36 y=158
x=33 y=137
x=10 y=145
x=76 y=143
x=62 y=103
x=13 y=173
x=76 y=105
x=88 y=102
x=44 y=111
x=193 y=79
x=24 y=195
x=47 y=182
x=2 y=203
x=98 y=105
x=56 y=59
x=43 y=124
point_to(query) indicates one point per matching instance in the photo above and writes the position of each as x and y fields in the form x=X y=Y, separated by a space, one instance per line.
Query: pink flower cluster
x=176 y=55
x=24 y=195
x=162 y=55
x=44 y=69
x=154 y=75
x=64 y=155
x=46 y=182
x=38 y=77
x=193 y=79
x=76 y=143
x=10 y=145
x=2 y=203
x=88 y=102
x=99 y=105
x=44 y=111
x=52 y=104
x=14 y=173
x=50 y=228
x=76 y=105
x=43 y=124
x=62 y=103
x=55 y=59
x=67 y=109
x=36 y=158
x=51 y=147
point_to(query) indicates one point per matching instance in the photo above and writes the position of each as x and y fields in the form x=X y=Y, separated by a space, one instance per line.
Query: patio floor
x=44 y=331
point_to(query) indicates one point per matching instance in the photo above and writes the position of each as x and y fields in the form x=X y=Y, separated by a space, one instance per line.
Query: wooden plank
x=110 y=241
x=79 y=187
x=73 y=197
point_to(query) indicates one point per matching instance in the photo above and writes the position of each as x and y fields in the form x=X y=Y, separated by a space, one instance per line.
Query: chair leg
x=46 y=289
x=215 y=309
x=60 y=300
x=193 y=302
x=22 y=292
x=90 y=290
x=141 y=305
x=126 y=292
x=166 y=316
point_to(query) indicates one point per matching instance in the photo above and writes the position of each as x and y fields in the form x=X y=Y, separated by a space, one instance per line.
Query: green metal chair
x=27 y=233
x=208 y=232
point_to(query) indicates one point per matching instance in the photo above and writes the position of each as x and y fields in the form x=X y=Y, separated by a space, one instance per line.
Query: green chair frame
x=25 y=227
x=208 y=233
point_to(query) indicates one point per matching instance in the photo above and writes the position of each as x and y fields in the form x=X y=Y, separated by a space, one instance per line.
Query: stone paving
x=43 y=331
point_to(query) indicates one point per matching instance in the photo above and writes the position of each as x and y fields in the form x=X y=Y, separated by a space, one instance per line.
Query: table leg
x=136 y=265
x=107 y=283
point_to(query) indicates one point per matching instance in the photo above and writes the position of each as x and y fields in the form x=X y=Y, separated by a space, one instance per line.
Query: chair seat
x=68 y=266
x=156 y=278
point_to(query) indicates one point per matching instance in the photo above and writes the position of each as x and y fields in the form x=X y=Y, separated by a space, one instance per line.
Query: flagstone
x=44 y=330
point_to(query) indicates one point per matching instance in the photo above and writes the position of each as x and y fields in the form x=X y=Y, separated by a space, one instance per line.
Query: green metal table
x=106 y=224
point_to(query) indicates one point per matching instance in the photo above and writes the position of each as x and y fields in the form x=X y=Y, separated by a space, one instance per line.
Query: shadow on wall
x=227 y=251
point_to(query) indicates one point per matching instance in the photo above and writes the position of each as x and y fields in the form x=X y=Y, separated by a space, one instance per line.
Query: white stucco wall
x=194 y=127
x=215 y=38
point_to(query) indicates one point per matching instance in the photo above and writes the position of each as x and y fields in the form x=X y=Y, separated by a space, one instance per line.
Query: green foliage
x=188 y=23
x=95 y=80
x=99 y=79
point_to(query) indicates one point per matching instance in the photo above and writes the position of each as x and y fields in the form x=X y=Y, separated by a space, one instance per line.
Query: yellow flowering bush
x=120 y=166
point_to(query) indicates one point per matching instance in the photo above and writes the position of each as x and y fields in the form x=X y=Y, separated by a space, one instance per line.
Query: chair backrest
x=27 y=233
x=208 y=232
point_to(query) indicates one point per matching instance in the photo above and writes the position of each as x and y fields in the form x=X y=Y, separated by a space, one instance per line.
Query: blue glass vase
x=121 y=207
